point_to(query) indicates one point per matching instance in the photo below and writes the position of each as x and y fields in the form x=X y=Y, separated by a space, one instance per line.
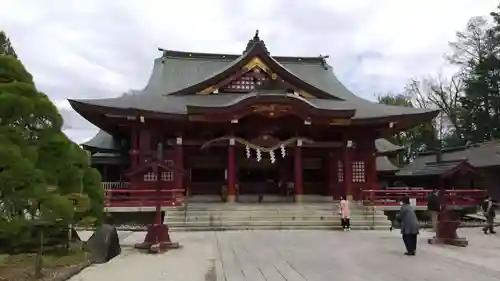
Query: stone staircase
x=276 y=216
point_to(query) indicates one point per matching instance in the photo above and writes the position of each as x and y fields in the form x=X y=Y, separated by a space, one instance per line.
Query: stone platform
x=302 y=255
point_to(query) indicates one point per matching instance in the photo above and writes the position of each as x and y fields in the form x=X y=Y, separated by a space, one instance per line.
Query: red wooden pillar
x=231 y=172
x=371 y=167
x=297 y=167
x=134 y=148
x=144 y=146
x=332 y=176
x=179 y=164
x=347 y=157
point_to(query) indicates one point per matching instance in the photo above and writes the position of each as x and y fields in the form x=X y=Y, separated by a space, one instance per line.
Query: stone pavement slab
x=302 y=255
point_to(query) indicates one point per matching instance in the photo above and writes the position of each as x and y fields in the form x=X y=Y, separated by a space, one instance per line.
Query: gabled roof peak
x=254 y=42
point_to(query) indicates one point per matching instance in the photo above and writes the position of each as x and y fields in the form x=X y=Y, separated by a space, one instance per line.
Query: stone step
x=208 y=216
x=272 y=227
x=269 y=210
x=240 y=216
x=269 y=223
x=262 y=206
x=272 y=218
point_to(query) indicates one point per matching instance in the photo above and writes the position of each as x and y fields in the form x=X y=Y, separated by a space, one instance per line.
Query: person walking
x=433 y=208
x=409 y=226
x=344 y=212
x=488 y=207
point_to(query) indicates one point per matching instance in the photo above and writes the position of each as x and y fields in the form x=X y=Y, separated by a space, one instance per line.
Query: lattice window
x=358 y=171
x=150 y=176
x=340 y=171
x=167 y=176
x=246 y=83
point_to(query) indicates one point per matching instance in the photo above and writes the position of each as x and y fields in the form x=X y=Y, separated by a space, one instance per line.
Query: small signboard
x=413 y=202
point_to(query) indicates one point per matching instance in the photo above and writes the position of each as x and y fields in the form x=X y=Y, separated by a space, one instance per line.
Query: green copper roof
x=175 y=104
x=383 y=164
x=480 y=155
x=171 y=74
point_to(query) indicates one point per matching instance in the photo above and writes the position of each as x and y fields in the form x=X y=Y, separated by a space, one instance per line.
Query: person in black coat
x=488 y=207
x=409 y=226
x=433 y=208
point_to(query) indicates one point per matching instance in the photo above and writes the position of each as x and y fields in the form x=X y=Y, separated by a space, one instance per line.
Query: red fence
x=392 y=197
x=143 y=197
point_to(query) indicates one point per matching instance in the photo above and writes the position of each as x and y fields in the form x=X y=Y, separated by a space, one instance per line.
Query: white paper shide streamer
x=283 y=151
x=272 y=156
x=247 y=150
x=259 y=156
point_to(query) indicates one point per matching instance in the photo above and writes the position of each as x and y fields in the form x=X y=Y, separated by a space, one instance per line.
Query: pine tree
x=38 y=163
x=6 y=48
x=479 y=116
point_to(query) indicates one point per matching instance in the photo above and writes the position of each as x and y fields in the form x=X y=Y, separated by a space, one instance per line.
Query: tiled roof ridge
x=461 y=147
x=320 y=60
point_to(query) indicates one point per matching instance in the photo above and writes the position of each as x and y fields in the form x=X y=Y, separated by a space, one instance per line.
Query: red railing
x=143 y=197
x=392 y=197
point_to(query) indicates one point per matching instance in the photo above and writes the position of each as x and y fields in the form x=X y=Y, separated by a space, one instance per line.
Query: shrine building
x=242 y=125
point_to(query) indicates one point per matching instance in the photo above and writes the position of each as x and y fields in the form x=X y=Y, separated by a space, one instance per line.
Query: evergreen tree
x=479 y=116
x=39 y=165
x=6 y=48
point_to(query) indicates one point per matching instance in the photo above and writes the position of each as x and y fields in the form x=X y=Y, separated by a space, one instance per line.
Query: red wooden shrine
x=248 y=124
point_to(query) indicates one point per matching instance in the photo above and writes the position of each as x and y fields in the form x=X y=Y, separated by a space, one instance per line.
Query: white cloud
x=94 y=48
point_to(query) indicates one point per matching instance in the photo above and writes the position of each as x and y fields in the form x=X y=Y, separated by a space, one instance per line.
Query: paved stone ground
x=302 y=255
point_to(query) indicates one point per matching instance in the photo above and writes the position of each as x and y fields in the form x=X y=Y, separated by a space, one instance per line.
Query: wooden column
x=231 y=172
x=371 y=166
x=144 y=146
x=347 y=157
x=134 y=147
x=332 y=176
x=297 y=167
x=179 y=163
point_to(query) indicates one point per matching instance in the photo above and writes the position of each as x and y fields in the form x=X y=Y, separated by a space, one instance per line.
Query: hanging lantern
x=283 y=151
x=272 y=157
x=247 y=150
x=259 y=156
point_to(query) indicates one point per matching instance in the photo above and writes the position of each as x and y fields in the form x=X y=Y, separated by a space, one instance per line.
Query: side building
x=484 y=157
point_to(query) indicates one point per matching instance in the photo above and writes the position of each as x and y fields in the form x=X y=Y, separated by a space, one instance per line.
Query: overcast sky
x=102 y=48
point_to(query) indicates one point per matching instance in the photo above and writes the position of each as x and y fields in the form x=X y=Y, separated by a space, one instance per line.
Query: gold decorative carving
x=270 y=108
x=339 y=122
x=274 y=76
x=305 y=94
x=208 y=90
x=256 y=62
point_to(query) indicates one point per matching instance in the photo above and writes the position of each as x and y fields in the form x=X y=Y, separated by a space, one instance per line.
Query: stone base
x=161 y=247
x=299 y=198
x=157 y=239
x=231 y=199
x=459 y=242
x=446 y=232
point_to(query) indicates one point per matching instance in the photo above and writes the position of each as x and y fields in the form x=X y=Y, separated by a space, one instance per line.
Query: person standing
x=488 y=207
x=345 y=219
x=409 y=226
x=433 y=208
